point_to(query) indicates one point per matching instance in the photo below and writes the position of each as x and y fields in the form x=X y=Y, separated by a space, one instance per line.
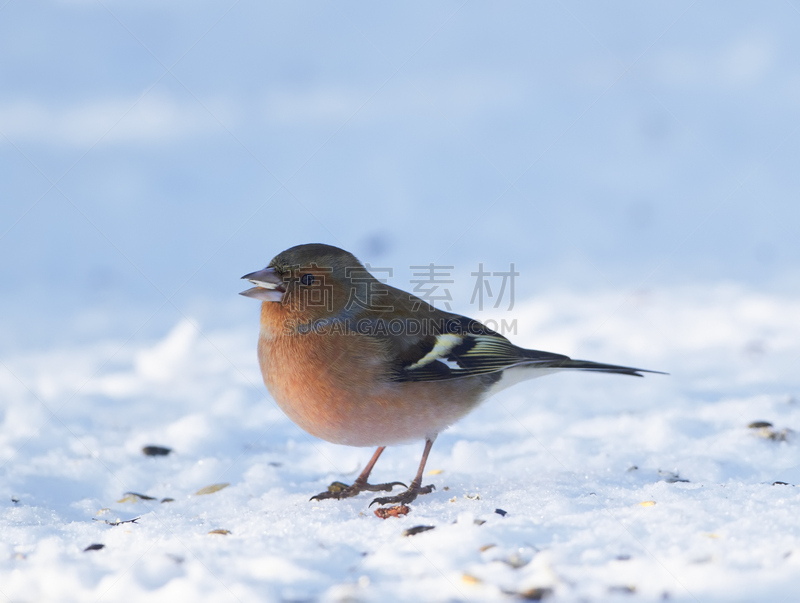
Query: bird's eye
x=307 y=279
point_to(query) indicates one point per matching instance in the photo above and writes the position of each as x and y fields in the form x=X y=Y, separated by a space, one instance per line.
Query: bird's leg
x=339 y=490
x=416 y=487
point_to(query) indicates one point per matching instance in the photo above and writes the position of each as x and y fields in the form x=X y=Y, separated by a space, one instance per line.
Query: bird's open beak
x=268 y=285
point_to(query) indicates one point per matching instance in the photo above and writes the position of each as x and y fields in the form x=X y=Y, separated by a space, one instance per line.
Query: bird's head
x=313 y=280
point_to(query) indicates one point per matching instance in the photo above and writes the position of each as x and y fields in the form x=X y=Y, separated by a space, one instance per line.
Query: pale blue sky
x=621 y=144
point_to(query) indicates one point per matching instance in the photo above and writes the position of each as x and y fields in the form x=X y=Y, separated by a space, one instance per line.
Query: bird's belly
x=354 y=402
x=392 y=413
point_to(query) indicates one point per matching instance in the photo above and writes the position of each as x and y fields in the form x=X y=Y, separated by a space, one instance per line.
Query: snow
x=589 y=469
x=636 y=162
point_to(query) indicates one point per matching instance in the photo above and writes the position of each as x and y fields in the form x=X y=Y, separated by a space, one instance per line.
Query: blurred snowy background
x=637 y=162
x=160 y=150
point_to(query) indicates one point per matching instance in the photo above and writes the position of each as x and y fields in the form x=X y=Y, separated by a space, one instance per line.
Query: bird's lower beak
x=268 y=285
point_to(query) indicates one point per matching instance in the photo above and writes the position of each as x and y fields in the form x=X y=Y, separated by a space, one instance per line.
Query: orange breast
x=336 y=388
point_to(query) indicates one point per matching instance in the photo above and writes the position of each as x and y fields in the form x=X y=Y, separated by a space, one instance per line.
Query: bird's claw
x=405 y=497
x=338 y=490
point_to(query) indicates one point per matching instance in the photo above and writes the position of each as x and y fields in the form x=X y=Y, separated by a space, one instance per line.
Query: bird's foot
x=338 y=490
x=405 y=497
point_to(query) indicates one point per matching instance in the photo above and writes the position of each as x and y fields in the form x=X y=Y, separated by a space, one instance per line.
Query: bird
x=355 y=361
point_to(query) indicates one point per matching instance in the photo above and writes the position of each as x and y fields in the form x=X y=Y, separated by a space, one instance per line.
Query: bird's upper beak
x=268 y=285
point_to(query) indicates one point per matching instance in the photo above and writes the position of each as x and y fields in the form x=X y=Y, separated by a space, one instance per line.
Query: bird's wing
x=459 y=347
x=423 y=343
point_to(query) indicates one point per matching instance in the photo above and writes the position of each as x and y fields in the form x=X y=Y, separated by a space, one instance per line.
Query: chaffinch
x=355 y=361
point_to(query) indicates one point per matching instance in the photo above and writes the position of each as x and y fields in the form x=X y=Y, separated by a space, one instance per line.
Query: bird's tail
x=595 y=367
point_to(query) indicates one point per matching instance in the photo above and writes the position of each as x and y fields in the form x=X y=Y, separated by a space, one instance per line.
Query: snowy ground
x=589 y=469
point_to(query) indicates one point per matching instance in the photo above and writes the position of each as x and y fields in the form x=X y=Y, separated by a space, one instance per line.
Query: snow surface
x=152 y=152
x=589 y=469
